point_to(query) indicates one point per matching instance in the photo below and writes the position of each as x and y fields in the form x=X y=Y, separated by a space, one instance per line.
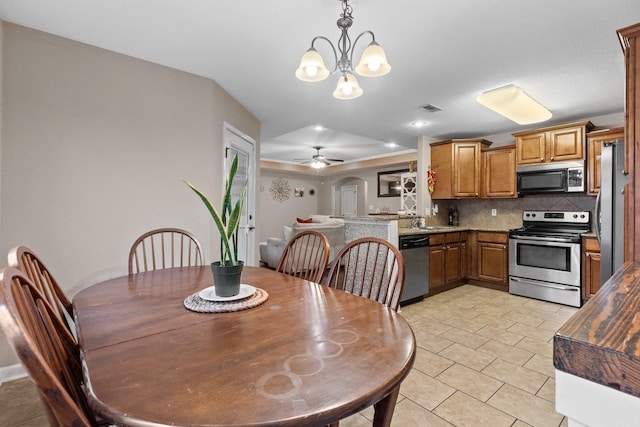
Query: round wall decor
x=280 y=189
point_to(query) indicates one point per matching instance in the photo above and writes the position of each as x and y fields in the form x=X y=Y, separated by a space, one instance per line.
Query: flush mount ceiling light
x=373 y=62
x=419 y=124
x=513 y=103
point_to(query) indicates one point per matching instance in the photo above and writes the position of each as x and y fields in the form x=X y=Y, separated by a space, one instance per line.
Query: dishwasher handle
x=411 y=242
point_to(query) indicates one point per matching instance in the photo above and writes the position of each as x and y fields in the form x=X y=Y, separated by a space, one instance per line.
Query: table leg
x=384 y=409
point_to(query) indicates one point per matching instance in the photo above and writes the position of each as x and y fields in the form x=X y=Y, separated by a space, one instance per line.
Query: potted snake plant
x=227 y=271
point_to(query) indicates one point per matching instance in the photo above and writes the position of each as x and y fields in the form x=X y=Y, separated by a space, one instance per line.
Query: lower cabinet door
x=492 y=262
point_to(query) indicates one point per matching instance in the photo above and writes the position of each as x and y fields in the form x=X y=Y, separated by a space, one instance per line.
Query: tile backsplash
x=477 y=212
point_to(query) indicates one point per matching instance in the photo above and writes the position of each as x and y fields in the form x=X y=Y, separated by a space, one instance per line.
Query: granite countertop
x=376 y=217
x=407 y=231
x=601 y=342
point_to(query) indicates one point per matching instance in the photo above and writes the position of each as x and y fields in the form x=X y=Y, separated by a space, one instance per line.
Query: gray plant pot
x=226 y=278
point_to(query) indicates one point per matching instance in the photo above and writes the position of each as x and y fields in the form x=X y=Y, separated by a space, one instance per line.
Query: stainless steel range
x=544 y=256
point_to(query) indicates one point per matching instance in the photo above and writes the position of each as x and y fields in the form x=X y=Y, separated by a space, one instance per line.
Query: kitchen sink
x=433 y=227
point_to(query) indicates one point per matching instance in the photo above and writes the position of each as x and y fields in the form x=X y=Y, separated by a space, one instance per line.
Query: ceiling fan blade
x=335 y=160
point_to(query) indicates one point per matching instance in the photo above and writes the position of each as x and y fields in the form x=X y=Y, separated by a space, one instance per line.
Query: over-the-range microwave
x=555 y=177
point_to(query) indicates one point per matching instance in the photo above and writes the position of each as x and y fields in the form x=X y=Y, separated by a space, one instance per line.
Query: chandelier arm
x=353 y=47
x=335 y=53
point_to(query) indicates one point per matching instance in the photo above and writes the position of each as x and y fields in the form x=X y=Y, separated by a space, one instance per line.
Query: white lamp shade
x=373 y=62
x=312 y=67
x=347 y=87
x=513 y=103
x=317 y=164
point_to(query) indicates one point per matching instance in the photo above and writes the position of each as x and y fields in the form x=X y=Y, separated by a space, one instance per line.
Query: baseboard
x=12 y=372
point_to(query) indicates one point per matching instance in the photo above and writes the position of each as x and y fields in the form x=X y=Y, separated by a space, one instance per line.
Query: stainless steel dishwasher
x=415 y=251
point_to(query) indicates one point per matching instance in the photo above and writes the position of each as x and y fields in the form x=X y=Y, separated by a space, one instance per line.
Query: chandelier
x=373 y=62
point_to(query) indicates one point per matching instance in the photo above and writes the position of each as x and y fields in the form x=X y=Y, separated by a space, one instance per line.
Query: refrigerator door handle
x=597 y=221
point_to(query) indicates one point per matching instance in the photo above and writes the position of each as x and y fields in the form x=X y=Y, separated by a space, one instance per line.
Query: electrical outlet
x=494 y=212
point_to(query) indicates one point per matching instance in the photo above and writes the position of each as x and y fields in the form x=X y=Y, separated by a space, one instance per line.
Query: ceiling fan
x=319 y=161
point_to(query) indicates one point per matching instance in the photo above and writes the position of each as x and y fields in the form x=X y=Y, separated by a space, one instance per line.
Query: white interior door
x=349 y=200
x=235 y=142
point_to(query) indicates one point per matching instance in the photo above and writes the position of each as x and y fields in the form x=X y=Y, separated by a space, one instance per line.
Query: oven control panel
x=575 y=217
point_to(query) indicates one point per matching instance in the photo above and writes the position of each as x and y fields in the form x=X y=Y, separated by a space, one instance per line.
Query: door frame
x=250 y=198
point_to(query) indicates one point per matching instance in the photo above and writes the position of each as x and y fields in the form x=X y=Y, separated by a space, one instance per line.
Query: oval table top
x=309 y=355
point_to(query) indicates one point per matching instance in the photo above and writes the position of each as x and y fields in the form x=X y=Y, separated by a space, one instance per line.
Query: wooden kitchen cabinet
x=590 y=267
x=452 y=258
x=436 y=262
x=552 y=144
x=464 y=255
x=457 y=166
x=493 y=255
x=489 y=259
x=447 y=260
x=594 y=148
x=499 y=172
x=630 y=41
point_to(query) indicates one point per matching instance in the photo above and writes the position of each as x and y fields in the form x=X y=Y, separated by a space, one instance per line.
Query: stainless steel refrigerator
x=610 y=208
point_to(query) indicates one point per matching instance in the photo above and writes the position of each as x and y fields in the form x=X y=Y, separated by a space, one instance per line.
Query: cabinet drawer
x=436 y=239
x=452 y=237
x=591 y=245
x=491 y=237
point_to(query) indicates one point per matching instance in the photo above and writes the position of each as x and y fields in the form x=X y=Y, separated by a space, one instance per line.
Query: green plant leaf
x=217 y=219
x=228 y=220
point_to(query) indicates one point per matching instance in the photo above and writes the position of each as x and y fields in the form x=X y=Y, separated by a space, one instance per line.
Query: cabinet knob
x=542 y=159
x=551 y=157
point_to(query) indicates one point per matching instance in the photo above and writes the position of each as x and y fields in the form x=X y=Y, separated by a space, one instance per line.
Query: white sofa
x=332 y=228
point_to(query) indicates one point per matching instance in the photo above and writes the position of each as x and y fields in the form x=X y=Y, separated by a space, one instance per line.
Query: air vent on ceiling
x=430 y=108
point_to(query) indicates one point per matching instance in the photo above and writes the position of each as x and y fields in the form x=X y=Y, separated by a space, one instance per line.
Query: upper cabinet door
x=499 y=173
x=530 y=149
x=466 y=169
x=594 y=148
x=566 y=144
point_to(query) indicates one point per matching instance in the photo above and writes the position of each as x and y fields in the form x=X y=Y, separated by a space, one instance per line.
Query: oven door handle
x=546 y=285
x=542 y=239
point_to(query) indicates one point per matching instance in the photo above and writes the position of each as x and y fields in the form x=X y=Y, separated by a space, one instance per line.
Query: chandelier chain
x=347 y=10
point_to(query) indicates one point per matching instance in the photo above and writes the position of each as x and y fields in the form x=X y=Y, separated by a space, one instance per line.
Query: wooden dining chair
x=28 y=262
x=164 y=248
x=306 y=256
x=47 y=350
x=370 y=267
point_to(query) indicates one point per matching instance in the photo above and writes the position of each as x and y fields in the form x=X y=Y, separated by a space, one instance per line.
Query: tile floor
x=484 y=358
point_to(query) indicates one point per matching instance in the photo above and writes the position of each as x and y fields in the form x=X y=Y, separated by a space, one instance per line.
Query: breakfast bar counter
x=596 y=354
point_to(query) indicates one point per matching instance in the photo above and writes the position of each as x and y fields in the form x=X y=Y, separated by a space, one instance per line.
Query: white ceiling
x=564 y=53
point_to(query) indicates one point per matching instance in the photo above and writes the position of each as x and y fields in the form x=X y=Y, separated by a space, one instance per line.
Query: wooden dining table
x=307 y=356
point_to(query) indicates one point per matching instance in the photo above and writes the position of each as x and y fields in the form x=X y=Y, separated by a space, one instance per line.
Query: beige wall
x=93 y=148
x=274 y=214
